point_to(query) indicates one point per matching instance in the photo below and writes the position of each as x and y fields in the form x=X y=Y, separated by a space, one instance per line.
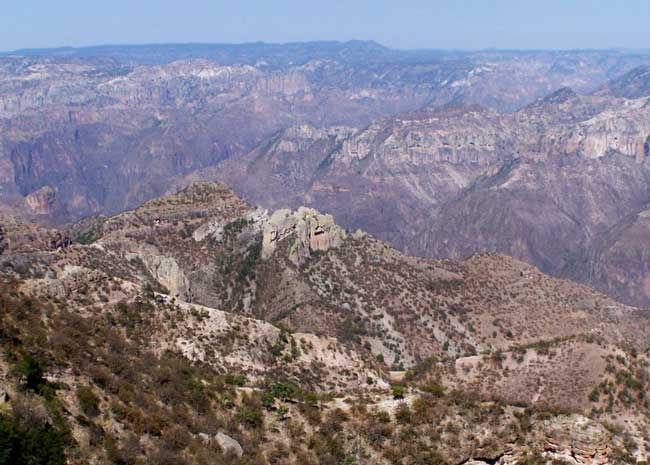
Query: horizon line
x=62 y=48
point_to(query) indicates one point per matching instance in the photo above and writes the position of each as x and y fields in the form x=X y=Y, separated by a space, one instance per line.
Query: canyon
x=324 y=253
x=537 y=155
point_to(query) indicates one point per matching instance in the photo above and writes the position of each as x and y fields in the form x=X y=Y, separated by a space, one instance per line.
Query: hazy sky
x=469 y=24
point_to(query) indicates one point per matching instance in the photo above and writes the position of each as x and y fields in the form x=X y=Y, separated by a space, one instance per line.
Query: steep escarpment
x=395 y=143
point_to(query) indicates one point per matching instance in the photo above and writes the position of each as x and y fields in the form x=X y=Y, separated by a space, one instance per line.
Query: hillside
x=633 y=84
x=196 y=320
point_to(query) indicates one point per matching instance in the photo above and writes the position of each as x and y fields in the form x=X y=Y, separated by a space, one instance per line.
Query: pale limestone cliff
x=42 y=201
x=307 y=229
x=165 y=270
x=577 y=440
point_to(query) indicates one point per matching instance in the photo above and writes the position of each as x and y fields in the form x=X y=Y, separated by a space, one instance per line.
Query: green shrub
x=31 y=373
x=433 y=388
x=27 y=443
x=88 y=401
x=237 y=379
x=253 y=253
x=398 y=391
x=284 y=390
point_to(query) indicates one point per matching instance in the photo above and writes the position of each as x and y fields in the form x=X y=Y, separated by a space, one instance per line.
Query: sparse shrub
x=398 y=391
x=433 y=388
x=88 y=401
x=403 y=414
x=237 y=379
x=31 y=372
x=250 y=413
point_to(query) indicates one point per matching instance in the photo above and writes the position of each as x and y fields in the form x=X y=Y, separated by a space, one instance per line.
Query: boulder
x=4 y=394
x=204 y=437
x=229 y=445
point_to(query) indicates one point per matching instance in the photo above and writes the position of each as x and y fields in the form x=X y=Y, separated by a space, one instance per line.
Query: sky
x=439 y=24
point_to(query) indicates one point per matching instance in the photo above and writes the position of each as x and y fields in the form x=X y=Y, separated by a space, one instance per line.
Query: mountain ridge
x=503 y=359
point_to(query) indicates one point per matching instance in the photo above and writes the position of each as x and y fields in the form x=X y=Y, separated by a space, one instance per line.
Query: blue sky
x=469 y=24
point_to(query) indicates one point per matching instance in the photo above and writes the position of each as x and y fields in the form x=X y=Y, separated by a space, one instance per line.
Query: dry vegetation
x=169 y=327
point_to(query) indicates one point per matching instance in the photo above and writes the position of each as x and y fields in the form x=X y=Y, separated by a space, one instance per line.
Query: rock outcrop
x=577 y=440
x=3 y=243
x=306 y=230
x=567 y=439
x=228 y=445
x=165 y=270
x=60 y=242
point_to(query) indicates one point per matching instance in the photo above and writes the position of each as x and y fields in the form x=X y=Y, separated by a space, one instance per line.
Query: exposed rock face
x=577 y=440
x=44 y=204
x=165 y=270
x=213 y=230
x=42 y=201
x=307 y=230
x=569 y=439
x=228 y=445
